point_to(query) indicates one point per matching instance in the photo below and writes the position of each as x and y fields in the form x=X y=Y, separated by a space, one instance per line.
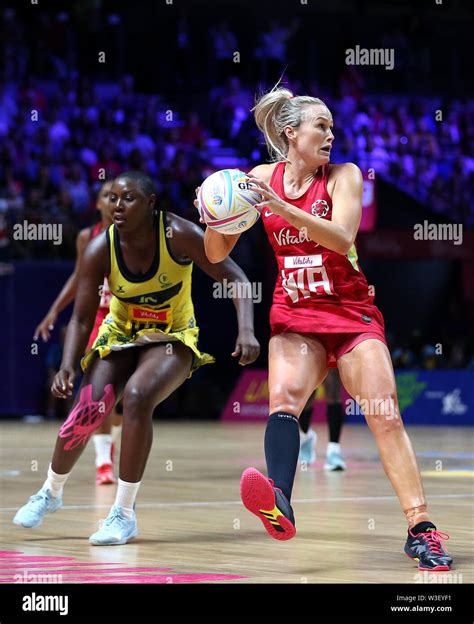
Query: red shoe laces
x=434 y=540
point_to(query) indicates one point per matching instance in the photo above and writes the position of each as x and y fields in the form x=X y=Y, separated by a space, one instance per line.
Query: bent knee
x=383 y=414
x=289 y=398
x=136 y=399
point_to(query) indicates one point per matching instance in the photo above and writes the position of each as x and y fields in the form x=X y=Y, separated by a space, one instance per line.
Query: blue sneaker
x=116 y=530
x=334 y=462
x=41 y=503
x=426 y=548
x=308 y=447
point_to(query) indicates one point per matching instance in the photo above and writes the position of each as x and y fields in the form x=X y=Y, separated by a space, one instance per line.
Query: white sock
x=103 y=448
x=126 y=495
x=333 y=447
x=55 y=482
x=116 y=434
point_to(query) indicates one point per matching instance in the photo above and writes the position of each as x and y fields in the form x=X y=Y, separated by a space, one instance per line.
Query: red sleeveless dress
x=103 y=309
x=318 y=291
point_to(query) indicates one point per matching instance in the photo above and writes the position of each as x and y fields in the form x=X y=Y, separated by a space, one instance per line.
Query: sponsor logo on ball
x=244 y=186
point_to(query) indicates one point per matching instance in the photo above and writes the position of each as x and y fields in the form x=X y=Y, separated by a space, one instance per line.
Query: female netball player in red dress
x=111 y=428
x=322 y=316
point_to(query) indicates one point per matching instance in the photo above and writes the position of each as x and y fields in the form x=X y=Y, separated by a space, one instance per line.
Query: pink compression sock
x=86 y=416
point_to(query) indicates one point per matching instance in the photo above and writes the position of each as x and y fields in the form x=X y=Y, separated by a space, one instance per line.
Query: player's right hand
x=45 y=327
x=63 y=383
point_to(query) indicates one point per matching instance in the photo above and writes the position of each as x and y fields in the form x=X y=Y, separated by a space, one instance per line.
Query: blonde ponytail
x=274 y=111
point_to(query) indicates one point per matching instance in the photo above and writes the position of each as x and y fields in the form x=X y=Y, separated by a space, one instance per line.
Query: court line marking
x=230 y=503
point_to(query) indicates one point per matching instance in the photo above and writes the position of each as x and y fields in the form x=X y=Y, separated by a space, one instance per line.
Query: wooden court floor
x=193 y=527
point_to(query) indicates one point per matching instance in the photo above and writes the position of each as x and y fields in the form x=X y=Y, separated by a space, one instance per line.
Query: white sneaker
x=308 y=447
x=334 y=459
x=31 y=515
x=117 y=529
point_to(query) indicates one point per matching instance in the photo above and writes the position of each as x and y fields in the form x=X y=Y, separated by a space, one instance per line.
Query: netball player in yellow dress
x=146 y=346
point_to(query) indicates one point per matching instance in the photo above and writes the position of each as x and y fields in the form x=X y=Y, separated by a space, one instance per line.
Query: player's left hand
x=247 y=347
x=271 y=201
x=196 y=204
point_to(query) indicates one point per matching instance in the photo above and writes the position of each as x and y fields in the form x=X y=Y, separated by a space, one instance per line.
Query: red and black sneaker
x=268 y=503
x=424 y=545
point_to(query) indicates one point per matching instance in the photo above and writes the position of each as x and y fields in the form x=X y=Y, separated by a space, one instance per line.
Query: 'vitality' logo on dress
x=285 y=237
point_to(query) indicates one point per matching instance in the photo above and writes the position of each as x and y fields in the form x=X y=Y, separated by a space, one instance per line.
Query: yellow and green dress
x=151 y=308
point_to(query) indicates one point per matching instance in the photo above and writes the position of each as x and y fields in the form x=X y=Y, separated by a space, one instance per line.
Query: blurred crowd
x=413 y=351
x=59 y=140
x=67 y=120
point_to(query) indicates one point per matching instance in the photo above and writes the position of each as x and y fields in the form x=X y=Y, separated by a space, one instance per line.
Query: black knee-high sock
x=282 y=445
x=305 y=418
x=335 y=416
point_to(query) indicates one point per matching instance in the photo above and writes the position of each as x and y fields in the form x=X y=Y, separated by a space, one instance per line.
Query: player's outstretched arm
x=187 y=242
x=217 y=245
x=68 y=291
x=94 y=265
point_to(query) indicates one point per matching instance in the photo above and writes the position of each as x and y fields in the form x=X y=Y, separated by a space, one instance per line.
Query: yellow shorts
x=114 y=336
